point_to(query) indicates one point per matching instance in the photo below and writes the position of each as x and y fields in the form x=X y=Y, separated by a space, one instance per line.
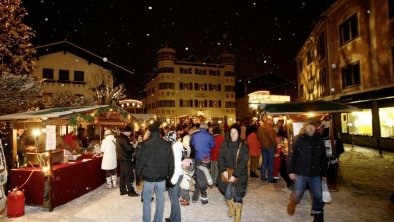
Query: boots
x=114 y=183
x=238 y=210
x=109 y=182
x=291 y=207
x=132 y=192
x=231 y=208
x=318 y=217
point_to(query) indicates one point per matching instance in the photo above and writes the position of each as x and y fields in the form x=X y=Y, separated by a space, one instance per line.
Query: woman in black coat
x=234 y=154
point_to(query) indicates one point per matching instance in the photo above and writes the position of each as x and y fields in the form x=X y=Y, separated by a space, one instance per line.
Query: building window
x=300 y=67
x=229 y=88
x=323 y=82
x=321 y=47
x=47 y=74
x=64 y=75
x=391 y=8
x=351 y=75
x=229 y=105
x=200 y=71
x=166 y=85
x=301 y=90
x=309 y=57
x=358 y=123
x=185 y=70
x=349 y=30
x=166 y=70
x=229 y=73
x=386 y=117
x=79 y=76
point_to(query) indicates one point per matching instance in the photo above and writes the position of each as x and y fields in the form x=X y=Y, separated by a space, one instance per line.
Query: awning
x=318 y=106
x=51 y=113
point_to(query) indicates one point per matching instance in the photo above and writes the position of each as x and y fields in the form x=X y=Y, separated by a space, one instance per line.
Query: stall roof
x=318 y=106
x=51 y=113
x=143 y=116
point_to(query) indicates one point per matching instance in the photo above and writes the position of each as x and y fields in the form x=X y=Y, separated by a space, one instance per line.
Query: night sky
x=264 y=35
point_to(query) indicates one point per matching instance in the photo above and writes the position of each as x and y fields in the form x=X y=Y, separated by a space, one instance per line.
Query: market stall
x=50 y=174
x=295 y=113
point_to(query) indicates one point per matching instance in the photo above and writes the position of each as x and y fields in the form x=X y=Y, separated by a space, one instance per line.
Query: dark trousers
x=126 y=177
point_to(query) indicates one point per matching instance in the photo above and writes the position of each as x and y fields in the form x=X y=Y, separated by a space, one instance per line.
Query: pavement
x=366 y=182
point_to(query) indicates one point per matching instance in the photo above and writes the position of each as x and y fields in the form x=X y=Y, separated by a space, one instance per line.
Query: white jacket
x=108 y=147
x=177 y=149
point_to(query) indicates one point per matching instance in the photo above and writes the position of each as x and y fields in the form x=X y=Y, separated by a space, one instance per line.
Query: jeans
x=315 y=189
x=147 y=192
x=173 y=193
x=214 y=171
x=232 y=194
x=268 y=159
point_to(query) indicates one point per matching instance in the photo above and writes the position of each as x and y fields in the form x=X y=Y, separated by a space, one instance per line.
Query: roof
x=83 y=53
x=51 y=113
x=143 y=117
x=318 y=106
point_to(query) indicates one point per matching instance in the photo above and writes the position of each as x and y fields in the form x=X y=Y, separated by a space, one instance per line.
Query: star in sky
x=265 y=35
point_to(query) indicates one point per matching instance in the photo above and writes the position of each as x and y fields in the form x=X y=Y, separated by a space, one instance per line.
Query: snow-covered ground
x=367 y=181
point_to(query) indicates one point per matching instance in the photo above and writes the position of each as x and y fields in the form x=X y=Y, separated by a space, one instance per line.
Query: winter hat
x=171 y=136
x=127 y=129
x=154 y=127
x=237 y=127
x=107 y=132
x=310 y=122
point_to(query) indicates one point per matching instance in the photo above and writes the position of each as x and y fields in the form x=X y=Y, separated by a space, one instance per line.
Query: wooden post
x=332 y=138
x=49 y=175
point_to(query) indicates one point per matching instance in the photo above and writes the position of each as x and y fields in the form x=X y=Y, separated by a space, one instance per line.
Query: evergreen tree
x=19 y=91
x=16 y=51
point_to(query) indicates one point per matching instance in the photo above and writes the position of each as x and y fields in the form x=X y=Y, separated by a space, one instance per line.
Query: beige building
x=190 y=90
x=65 y=66
x=349 y=58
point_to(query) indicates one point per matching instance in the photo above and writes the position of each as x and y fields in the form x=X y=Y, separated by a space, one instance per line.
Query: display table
x=69 y=181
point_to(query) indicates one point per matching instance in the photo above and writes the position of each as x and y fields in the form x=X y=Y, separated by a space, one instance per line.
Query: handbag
x=229 y=170
x=326 y=193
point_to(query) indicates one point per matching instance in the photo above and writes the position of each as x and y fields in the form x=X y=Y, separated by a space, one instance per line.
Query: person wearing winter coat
x=308 y=165
x=173 y=189
x=267 y=137
x=254 y=150
x=234 y=154
x=155 y=163
x=125 y=151
x=202 y=143
x=219 y=138
x=109 y=163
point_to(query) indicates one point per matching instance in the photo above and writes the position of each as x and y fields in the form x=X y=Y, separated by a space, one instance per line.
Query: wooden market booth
x=55 y=182
x=295 y=113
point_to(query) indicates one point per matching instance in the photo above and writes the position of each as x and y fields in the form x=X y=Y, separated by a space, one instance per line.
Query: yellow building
x=67 y=67
x=349 y=57
x=190 y=90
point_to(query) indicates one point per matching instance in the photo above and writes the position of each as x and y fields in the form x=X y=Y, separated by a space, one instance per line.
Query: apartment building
x=349 y=58
x=191 y=90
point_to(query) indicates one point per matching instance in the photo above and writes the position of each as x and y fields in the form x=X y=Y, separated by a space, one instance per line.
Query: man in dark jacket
x=155 y=163
x=124 y=152
x=308 y=165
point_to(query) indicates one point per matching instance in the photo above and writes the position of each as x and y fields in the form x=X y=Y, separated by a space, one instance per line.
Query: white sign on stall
x=51 y=138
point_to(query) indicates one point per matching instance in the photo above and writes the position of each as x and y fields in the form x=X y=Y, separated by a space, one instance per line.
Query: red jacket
x=254 y=145
x=215 y=151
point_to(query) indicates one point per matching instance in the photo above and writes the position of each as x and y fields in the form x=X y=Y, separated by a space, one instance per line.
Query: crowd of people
x=189 y=159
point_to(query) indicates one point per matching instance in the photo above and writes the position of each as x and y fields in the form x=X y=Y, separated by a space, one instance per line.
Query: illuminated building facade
x=189 y=90
x=65 y=66
x=349 y=58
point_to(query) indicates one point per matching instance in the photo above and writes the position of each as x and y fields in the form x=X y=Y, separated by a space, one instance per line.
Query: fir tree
x=16 y=50
x=19 y=90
